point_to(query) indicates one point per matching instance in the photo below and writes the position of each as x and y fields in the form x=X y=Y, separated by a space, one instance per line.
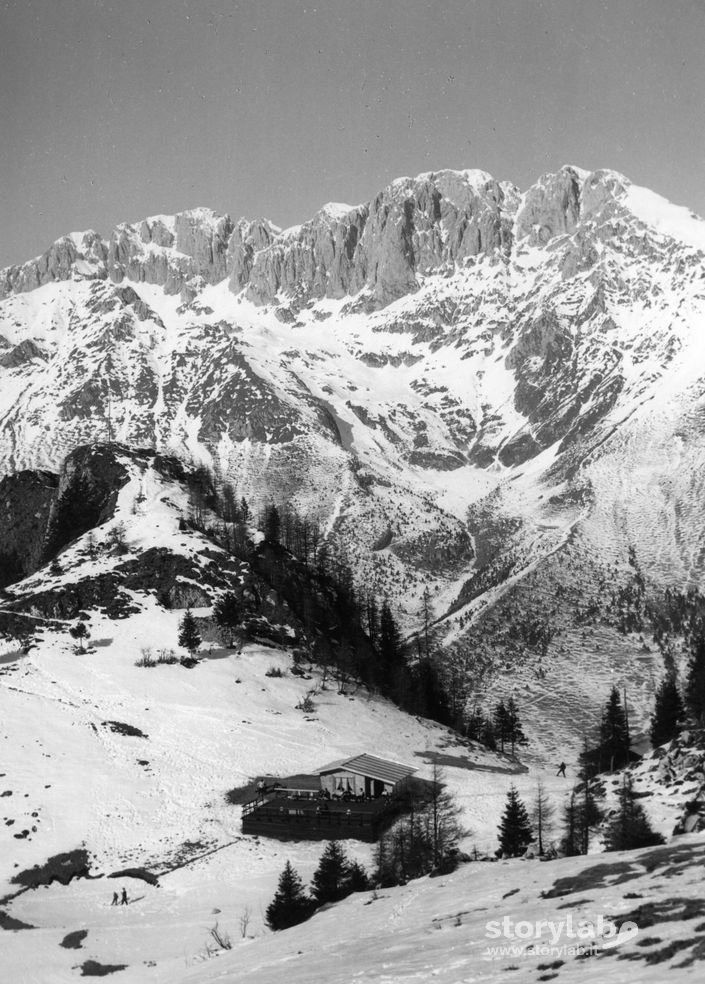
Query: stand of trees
x=426 y=840
x=630 y=829
x=334 y=879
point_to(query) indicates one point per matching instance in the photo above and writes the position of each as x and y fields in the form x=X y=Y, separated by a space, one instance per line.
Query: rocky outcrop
x=247 y=239
x=78 y=256
x=317 y=259
x=415 y=227
x=19 y=355
x=551 y=207
x=25 y=505
x=172 y=251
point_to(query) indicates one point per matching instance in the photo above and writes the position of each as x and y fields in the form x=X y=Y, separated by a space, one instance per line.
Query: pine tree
x=80 y=633
x=515 y=828
x=443 y=824
x=589 y=813
x=515 y=732
x=244 y=509
x=189 y=636
x=330 y=881
x=272 y=524
x=227 y=615
x=694 y=693
x=358 y=879
x=630 y=827
x=290 y=904
x=571 y=843
x=668 y=711
x=501 y=724
x=614 y=734
x=391 y=651
x=542 y=816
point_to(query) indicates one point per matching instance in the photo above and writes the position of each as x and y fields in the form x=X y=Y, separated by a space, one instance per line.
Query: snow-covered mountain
x=491 y=393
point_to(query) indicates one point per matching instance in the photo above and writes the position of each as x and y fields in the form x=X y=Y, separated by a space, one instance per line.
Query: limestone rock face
x=247 y=239
x=317 y=259
x=551 y=207
x=170 y=252
x=414 y=227
x=204 y=237
x=78 y=256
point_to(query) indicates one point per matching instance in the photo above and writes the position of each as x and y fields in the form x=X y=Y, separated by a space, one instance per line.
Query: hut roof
x=371 y=766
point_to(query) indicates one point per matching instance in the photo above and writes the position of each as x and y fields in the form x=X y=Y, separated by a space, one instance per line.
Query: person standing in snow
x=561 y=770
x=123 y=901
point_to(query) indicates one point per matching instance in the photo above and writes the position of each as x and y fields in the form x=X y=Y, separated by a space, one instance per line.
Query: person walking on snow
x=115 y=899
x=561 y=770
x=123 y=901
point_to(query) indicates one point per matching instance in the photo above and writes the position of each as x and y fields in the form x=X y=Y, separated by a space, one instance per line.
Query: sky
x=113 y=110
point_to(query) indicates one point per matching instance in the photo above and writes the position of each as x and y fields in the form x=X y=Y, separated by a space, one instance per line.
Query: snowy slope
x=133 y=763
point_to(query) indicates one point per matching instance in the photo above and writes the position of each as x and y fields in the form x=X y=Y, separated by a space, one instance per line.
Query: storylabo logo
x=556 y=937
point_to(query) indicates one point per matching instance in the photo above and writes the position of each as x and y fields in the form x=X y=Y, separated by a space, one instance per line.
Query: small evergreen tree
x=331 y=880
x=358 y=879
x=227 y=615
x=668 y=712
x=515 y=732
x=614 y=734
x=189 y=636
x=571 y=843
x=515 y=828
x=694 y=693
x=500 y=723
x=290 y=904
x=272 y=524
x=391 y=650
x=443 y=824
x=244 y=509
x=80 y=633
x=630 y=827
x=542 y=816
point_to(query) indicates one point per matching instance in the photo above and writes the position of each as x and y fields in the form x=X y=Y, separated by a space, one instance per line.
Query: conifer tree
x=80 y=633
x=290 y=904
x=589 y=813
x=443 y=823
x=330 y=881
x=189 y=636
x=542 y=816
x=358 y=879
x=227 y=615
x=501 y=724
x=244 y=509
x=695 y=682
x=515 y=828
x=391 y=651
x=272 y=524
x=614 y=734
x=515 y=732
x=668 y=711
x=572 y=838
x=630 y=827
